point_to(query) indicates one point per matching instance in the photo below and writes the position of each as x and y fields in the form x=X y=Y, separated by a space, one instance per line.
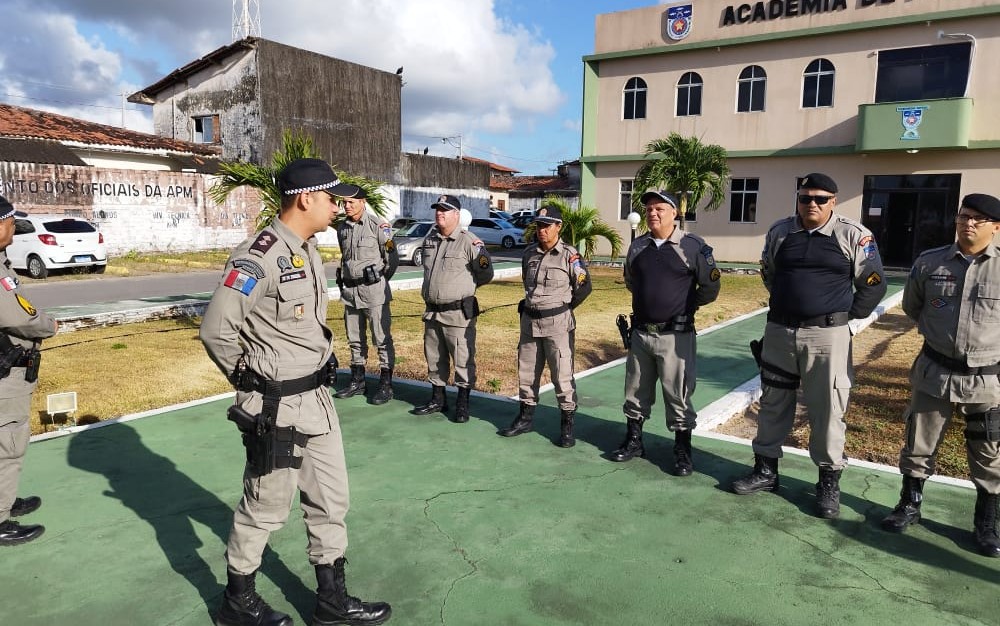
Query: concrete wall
x=138 y=210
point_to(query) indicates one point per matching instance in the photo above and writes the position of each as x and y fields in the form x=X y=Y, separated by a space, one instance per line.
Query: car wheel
x=507 y=242
x=418 y=257
x=98 y=269
x=37 y=269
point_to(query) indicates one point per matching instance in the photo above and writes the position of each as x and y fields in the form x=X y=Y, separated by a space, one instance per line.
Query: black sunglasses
x=819 y=200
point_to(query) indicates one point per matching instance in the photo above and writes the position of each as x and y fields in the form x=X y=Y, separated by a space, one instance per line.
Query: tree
x=580 y=228
x=685 y=167
x=263 y=178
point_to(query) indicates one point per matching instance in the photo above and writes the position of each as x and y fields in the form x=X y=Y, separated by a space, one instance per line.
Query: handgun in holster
x=623 y=328
x=9 y=359
x=470 y=307
x=258 y=438
x=757 y=349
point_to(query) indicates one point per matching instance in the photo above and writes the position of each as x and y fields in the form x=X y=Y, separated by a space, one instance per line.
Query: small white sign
x=875 y=211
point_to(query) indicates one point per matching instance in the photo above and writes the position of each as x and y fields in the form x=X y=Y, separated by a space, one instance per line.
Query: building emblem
x=679 y=21
x=911 y=118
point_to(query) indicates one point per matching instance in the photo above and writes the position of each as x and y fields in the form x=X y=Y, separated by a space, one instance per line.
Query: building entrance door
x=909 y=214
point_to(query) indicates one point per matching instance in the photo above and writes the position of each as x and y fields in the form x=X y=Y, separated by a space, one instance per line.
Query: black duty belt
x=536 y=314
x=351 y=282
x=822 y=321
x=250 y=381
x=677 y=324
x=959 y=366
x=441 y=308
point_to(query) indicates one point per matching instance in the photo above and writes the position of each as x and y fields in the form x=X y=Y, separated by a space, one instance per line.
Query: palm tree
x=580 y=228
x=263 y=178
x=684 y=166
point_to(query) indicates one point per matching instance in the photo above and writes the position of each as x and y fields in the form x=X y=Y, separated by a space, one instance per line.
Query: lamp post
x=633 y=222
x=464 y=218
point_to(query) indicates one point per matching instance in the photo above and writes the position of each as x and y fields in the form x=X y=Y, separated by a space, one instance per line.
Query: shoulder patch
x=706 y=251
x=243 y=283
x=28 y=308
x=386 y=229
x=714 y=275
x=9 y=283
x=873 y=279
x=484 y=261
x=250 y=267
x=265 y=240
x=389 y=245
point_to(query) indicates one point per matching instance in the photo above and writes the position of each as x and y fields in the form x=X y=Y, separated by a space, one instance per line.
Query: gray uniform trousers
x=532 y=355
x=822 y=357
x=670 y=358
x=267 y=500
x=444 y=344
x=15 y=431
x=378 y=319
x=927 y=419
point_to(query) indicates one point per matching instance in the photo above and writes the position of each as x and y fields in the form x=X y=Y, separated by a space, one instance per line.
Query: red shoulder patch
x=265 y=240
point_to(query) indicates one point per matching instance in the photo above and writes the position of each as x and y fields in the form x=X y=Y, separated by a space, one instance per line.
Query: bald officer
x=22 y=328
x=556 y=281
x=369 y=259
x=822 y=269
x=671 y=273
x=265 y=328
x=455 y=264
x=953 y=293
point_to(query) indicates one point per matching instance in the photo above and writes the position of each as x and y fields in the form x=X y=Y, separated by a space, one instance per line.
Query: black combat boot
x=435 y=404
x=632 y=445
x=23 y=506
x=566 y=439
x=907 y=512
x=335 y=606
x=242 y=606
x=384 y=392
x=828 y=493
x=354 y=386
x=764 y=477
x=986 y=522
x=522 y=423
x=462 y=405
x=683 y=465
x=12 y=533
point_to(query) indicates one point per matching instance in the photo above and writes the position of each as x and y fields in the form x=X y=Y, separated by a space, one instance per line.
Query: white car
x=50 y=242
x=497 y=232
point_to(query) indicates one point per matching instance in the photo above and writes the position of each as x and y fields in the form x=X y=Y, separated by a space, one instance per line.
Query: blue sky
x=506 y=75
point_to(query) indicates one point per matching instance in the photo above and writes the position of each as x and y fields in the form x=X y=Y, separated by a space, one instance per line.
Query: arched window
x=689 y=94
x=817 y=84
x=635 y=99
x=752 y=86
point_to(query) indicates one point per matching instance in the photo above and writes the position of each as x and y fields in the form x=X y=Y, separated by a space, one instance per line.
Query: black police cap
x=985 y=204
x=549 y=215
x=818 y=181
x=447 y=203
x=6 y=208
x=660 y=196
x=305 y=175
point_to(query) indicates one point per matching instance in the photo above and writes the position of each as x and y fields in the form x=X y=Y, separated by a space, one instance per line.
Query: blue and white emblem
x=679 y=21
x=911 y=118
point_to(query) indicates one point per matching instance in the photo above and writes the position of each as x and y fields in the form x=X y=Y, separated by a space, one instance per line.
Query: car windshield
x=504 y=215
x=505 y=224
x=416 y=230
x=69 y=226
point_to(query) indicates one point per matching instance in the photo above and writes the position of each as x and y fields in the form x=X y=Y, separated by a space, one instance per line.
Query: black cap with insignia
x=549 y=215
x=985 y=204
x=818 y=181
x=305 y=175
x=447 y=203
x=659 y=196
x=6 y=208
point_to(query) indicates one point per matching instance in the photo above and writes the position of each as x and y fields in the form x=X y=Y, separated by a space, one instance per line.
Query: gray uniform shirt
x=363 y=243
x=271 y=310
x=956 y=305
x=553 y=279
x=453 y=267
x=25 y=325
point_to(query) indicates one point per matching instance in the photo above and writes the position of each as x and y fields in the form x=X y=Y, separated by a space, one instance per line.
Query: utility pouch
x=371 y=276
x=622 y=322
x=470 y=307
x=991 y=424
x=34 y=361
x=331 y=371
x=283 y=447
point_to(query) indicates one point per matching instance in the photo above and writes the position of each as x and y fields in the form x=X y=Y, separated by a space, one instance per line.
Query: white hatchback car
x=50 y=242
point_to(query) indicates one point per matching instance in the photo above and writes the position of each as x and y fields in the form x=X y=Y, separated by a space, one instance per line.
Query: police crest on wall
x=679 y=21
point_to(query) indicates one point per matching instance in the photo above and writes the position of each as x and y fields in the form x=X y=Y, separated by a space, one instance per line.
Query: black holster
x=470 y=307
x=268 y=447
x=622 y=322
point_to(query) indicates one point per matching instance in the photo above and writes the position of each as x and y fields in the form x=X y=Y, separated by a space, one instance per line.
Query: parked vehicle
x=500 y=215
x=497 y=232
x=522 y=221
x=401 y=223
x=50 y=242
x=409 y=241
x=518 y=214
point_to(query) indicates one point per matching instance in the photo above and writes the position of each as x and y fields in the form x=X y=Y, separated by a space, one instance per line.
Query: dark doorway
x=910 y=213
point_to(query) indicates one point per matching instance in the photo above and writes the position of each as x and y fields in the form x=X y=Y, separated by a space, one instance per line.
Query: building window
x=817 y=84
x=206 y=129
x=923 y=73
x=625 y=202
x=743 y=199
x=635 y=99
x=752 y=85
x=689 y=95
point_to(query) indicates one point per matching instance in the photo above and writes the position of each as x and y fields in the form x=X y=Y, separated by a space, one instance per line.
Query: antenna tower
x=246 y=19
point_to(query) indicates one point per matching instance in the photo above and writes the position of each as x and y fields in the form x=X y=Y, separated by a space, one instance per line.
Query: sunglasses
x=973 y=219
x=819 y=200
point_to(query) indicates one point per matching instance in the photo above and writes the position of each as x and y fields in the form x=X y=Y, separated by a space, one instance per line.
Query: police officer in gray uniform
x=368 y=261
x=822 y=270
x=556 y=281
x=265 y=328
x=22 y=328
x=953 y=293
x=455 y=264
x=670 y=273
